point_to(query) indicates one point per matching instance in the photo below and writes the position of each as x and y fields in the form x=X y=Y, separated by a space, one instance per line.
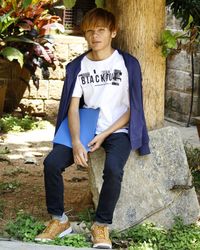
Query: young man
x=110 y=80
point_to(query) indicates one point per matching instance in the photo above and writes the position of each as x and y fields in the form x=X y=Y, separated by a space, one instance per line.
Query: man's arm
x=120 y=123
x=79 y=152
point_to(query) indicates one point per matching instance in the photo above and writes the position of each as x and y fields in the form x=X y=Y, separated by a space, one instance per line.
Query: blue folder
x=88 y=124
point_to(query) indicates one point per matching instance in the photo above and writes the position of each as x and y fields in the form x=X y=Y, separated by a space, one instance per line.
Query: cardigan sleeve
x=64 y=101
x=138 y=104
x=144 y=149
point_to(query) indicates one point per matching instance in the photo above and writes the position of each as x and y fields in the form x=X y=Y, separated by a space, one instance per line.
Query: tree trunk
x=140 y=25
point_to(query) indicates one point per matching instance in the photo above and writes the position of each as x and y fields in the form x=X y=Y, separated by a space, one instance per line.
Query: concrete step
x=18 y=245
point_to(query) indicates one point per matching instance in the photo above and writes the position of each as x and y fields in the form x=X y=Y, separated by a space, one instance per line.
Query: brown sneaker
x=100 y=237
x=54 y=229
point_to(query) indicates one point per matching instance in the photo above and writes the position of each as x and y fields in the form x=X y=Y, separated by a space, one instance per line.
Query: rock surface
x=156 y=187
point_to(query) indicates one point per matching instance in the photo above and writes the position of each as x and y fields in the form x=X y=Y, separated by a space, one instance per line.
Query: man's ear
x=113 y=34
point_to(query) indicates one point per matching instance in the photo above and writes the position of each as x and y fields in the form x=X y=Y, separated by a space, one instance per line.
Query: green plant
x=9 y=186
x=174 y=42
x=23 y=26
x=71 y=3
x=11 y=123
x=188 y=39
x=14 y=172
x=2 y=206
x=87 y=215
x=149 y=237
x=193 y=156
x=141 y=237
x=76 y=240
x=25 y=227
x=196 y=180
x=141 y=246
x=183 y=9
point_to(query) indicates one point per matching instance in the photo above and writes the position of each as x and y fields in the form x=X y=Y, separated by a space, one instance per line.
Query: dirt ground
x=21 y=177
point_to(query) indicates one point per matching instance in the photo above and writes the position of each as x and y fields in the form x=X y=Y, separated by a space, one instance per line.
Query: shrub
x=11 y=123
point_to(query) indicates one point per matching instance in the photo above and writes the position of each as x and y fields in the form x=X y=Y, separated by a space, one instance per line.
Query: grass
x=9 y=186
x=2 y=206
x=196 y=180
x=15 y=172
x=193 y=157
x=25 y=227
x=86 y=215
x=12 y=123
x=76 y=240
x=148 y=236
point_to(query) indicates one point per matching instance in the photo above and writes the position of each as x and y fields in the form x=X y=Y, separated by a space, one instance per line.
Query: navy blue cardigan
x=137 y=126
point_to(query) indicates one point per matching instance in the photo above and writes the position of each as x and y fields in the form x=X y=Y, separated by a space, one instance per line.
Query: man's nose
x=95 y=33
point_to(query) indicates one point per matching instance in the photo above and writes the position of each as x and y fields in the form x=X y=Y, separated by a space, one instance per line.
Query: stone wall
x=179 y=83
x=45 y=100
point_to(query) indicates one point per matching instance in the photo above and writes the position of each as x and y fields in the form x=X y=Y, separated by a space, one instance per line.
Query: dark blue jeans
x=117 y=148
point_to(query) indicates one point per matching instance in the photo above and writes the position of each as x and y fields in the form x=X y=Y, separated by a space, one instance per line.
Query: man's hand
x=80 y=154
x=96 y=142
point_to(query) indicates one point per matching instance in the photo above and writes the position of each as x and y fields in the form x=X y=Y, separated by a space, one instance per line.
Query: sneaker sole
x=101 y=245
x=68 y=231
x=42 y=240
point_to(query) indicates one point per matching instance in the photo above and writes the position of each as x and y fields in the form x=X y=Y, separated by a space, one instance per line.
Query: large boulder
x=156 y=187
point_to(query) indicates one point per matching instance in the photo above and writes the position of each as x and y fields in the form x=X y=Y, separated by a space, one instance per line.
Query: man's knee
x=113 y=171
x=50 y=165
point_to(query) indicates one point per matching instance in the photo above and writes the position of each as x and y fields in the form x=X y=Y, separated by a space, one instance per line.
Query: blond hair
x=98 y=17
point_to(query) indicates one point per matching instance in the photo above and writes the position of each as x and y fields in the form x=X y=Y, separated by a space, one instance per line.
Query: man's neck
x=100 y=55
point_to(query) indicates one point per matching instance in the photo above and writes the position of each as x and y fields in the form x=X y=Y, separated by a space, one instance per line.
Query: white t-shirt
x=104 y=85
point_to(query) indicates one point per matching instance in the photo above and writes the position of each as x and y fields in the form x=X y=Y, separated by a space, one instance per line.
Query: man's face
x=99 y=38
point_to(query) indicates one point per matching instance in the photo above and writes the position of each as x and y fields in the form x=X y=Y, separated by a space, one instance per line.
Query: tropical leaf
x=54 y=26
x=13 y=54
x=5 y=21
x=3 y=4
x=43 y=53
x=26 y=3
x=169 y=39
x=190 y=21
x=183 y=9
x=25 y=26
x=20 y=39
x=14 y=4
x=21 y=26
x=99 y=3
x=69 y=3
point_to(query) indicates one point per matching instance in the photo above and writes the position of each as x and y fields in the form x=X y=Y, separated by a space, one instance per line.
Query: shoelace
x=51 y=227
x=101 y=232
